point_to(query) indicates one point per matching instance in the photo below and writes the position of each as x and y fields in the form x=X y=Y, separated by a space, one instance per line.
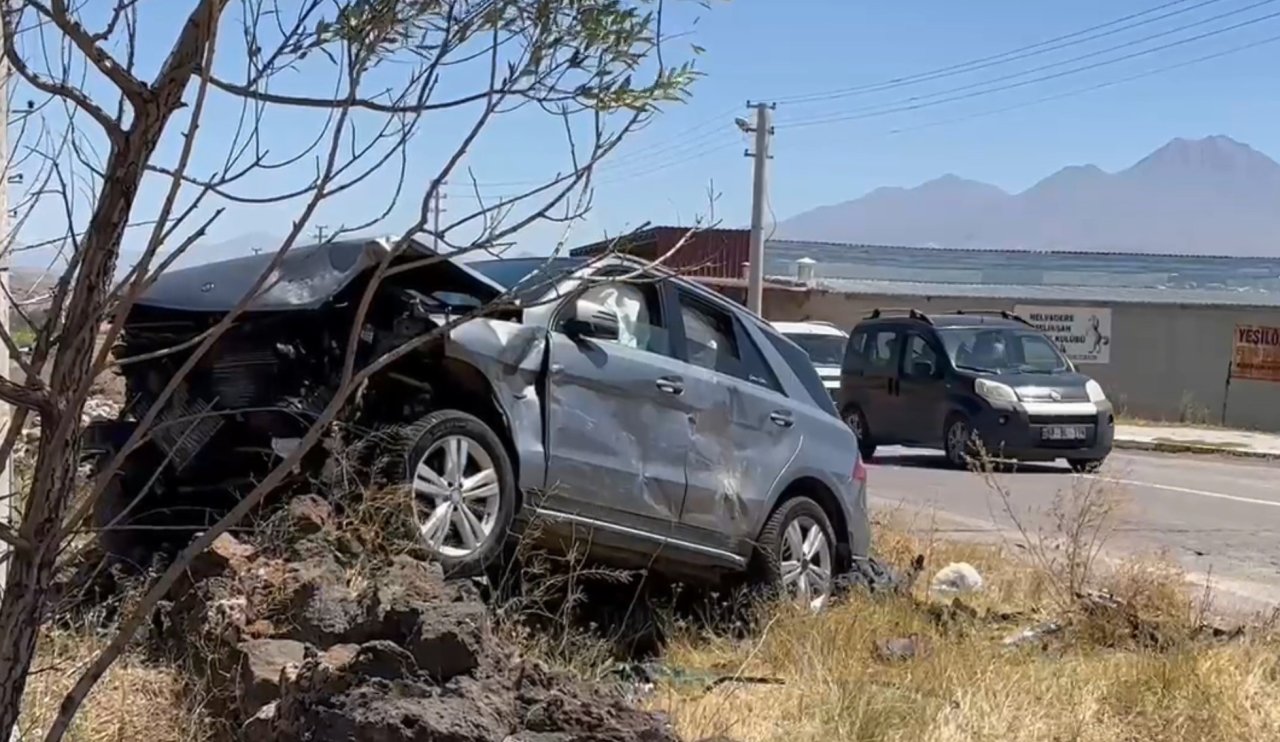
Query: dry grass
x=135 y=701
x=1094 y=683
x=1098 y=680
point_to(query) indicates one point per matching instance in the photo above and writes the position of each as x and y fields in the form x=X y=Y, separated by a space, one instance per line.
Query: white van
x=824 y=342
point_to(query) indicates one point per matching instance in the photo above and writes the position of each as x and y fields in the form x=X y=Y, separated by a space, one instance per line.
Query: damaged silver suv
x=615 y=404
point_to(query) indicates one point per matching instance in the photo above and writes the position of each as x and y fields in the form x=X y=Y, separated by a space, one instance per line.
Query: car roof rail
x=1002 y=313
x=898 y=311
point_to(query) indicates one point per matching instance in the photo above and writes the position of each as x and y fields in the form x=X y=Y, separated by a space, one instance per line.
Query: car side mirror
x=922 y=370
x=591 y=320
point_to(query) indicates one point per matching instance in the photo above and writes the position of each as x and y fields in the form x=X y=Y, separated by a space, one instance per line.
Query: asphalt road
x=1218 y=517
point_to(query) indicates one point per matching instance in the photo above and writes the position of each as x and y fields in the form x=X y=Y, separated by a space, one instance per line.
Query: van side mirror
x=588 y=319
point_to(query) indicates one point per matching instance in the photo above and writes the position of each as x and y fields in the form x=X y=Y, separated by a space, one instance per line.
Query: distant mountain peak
x=953 y=181
x=1216 y=153
x=1210 y=196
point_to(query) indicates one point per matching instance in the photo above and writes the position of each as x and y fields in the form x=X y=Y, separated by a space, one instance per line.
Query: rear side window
x=873 y=351
x=713 y=341
x=853 y=352
x=802 y=366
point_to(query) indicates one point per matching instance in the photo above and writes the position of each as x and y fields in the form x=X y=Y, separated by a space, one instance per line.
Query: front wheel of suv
x=463 y=488
x=798 y=551
x=857 y=422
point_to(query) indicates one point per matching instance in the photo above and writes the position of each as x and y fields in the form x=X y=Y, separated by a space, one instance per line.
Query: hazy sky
x=845 y=55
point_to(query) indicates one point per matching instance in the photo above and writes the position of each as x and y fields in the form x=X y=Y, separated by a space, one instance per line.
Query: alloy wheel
x=806 y=563
x=958 y=438
x=456 y=496
x=853 y=419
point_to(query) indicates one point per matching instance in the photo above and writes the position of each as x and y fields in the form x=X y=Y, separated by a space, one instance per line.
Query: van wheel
x=798 y=553
x=1085 y=466
x=958 y=441
x=463 y=488
x=857 y=422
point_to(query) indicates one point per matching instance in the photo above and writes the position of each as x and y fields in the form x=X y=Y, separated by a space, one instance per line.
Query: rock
x=449 y=639
x=227 y=555
x=403 y=711
x=596 y=717
x=310 y=514
x=323 y=610
x=381 y=659
x=285 y=650
x=395 y=605
x=261 y=725
x=262 y=670
x=339 y=655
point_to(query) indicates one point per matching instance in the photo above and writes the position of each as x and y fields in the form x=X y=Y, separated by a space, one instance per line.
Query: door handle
x=670 y=385
x=782 y=418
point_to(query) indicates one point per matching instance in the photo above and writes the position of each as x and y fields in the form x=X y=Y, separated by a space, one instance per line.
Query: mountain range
x=1211 y=196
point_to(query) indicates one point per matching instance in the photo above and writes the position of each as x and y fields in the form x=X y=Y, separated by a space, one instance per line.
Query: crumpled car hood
x=306 y=278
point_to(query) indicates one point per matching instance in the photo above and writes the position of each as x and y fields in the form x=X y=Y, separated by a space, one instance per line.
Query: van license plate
x=1065 y=433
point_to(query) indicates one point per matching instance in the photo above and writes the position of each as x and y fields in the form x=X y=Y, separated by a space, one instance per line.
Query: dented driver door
x=618 y=419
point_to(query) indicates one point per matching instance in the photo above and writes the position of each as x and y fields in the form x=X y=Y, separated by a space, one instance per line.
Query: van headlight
x=994 y=391
x=1094 y=390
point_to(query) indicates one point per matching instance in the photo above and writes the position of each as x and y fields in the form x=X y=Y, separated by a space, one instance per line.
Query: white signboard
x=1083 y=333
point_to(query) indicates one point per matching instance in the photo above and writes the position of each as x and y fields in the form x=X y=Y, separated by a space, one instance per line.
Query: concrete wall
x=1168 y=362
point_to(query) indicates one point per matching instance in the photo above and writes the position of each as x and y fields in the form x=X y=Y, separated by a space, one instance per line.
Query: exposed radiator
x=184 y=427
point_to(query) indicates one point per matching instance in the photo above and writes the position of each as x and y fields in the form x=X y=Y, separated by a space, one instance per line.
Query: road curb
x=1194 y=448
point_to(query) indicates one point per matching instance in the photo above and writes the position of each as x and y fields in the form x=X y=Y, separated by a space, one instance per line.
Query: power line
x=647 y=153
x=1013 y=55
x=1064 y=62
x=1065 y=73
x=1090 y=88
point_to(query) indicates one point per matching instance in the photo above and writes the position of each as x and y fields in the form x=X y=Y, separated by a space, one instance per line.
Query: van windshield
x=823 y=350
x=1002 y=350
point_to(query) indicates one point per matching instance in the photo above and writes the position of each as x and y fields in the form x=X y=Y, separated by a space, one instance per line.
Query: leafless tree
x=383 y=100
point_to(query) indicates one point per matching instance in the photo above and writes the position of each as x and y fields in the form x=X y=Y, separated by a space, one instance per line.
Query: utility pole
x=436 y=209
x=320 y=232
x=763 y=130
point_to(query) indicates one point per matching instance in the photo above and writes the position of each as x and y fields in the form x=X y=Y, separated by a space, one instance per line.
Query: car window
x=640 y=321
x=1039 y=351
x=921 y=360
x=1000 y=349
x=802 y=367
x=823 y=349
x=853 y=353
x=881 y=351
x=711 y=337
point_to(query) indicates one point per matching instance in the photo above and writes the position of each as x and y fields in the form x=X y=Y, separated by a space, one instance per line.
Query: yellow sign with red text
x=1257 y=353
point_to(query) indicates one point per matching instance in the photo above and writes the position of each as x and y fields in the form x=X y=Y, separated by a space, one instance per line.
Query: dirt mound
x=317 y=641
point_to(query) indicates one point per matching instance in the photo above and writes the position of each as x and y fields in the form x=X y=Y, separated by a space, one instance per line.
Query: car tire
x=857 y=422
x=463 y=491
x=1085 y=466
x=957 y=441
x=806 y=576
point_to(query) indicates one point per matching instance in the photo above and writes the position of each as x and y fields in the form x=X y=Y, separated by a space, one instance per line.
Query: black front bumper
x=1014 y=432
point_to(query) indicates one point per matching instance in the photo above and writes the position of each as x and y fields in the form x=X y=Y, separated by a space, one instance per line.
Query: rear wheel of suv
x=798 y=551
x=857 y=422
x=464 y=491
